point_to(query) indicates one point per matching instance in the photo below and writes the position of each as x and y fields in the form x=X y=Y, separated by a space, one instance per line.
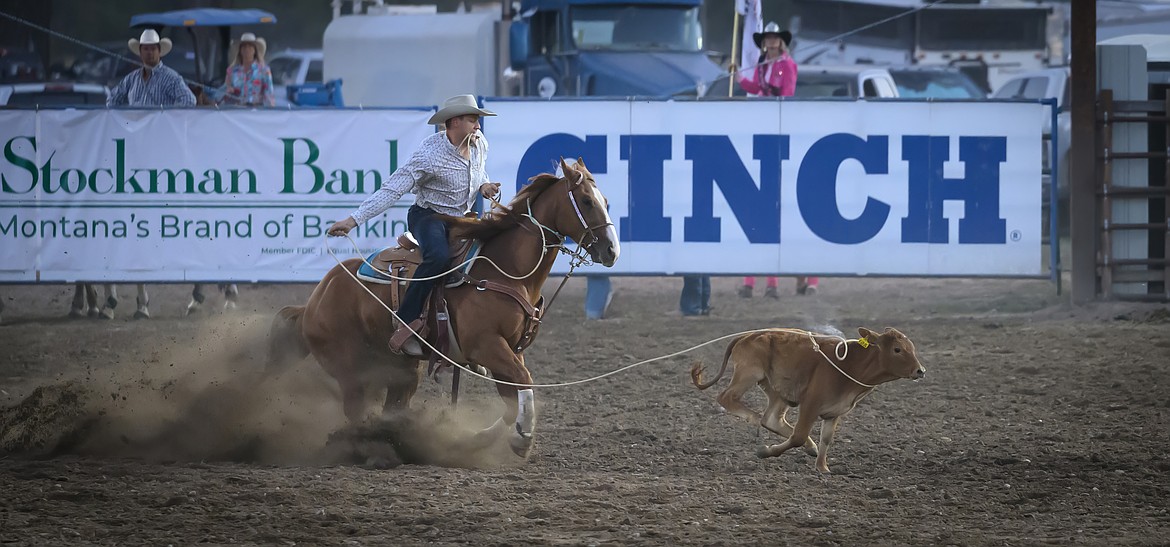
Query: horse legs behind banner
x=231 y=294
x=85 y=302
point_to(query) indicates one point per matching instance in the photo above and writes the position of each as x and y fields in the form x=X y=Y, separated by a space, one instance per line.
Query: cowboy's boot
x=404 y=342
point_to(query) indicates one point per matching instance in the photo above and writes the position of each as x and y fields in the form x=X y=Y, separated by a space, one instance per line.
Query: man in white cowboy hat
x=154 y=84
x=445 y=174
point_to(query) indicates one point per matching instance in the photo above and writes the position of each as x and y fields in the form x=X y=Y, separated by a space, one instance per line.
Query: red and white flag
x=752 y=23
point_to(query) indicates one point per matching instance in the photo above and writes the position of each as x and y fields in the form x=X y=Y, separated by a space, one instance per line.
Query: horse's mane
x=489 y=226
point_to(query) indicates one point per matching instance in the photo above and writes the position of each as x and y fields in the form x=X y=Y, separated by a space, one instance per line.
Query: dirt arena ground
x=1036 y=423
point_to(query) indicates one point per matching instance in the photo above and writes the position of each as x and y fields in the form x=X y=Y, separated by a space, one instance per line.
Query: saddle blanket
x=366 y=272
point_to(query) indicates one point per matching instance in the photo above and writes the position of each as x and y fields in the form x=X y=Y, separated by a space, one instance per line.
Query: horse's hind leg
x=401 y=382
x=78 y=308
x=341 y=356
x=143 y=311
x=197 y=299
x=111 y=302
x=231 y=293
x=285 y=344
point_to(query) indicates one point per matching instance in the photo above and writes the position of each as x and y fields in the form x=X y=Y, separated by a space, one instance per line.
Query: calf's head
x=897 y=354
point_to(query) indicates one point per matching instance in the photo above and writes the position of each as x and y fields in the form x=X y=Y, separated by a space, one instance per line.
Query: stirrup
x=403 y=334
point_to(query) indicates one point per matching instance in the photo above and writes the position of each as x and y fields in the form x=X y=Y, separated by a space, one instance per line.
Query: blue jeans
x=696 y=295
x=431 y=234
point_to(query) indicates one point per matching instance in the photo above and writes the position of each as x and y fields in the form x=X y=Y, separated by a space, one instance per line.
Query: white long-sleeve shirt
x=440 y=178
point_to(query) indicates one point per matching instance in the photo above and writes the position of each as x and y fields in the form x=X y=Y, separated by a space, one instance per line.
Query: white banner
x=718 y=187
x=193 y=195
x=797 y=187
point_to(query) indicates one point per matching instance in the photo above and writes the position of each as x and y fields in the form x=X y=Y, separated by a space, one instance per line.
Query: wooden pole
x=734 y=55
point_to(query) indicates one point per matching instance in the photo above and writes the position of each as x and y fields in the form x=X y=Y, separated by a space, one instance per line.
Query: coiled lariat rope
x=841 y=349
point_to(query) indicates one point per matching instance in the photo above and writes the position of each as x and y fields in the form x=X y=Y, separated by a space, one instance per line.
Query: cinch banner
x=797 y=187
x=192 y=194
x=735 y=187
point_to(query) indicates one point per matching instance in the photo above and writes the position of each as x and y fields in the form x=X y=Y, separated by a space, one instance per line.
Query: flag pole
x=734 y=56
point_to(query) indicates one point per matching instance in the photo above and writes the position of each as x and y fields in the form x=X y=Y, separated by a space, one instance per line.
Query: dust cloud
x=209 y=398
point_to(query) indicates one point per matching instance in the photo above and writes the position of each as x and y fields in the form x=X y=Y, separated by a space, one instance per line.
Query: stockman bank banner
x=720 y=187
x=797 y=187
x=193 y=195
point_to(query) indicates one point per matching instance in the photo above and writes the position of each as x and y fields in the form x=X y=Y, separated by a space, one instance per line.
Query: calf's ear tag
x=863 y=342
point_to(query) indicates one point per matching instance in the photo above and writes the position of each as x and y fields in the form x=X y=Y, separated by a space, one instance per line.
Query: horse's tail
x=697 y=368
x=285 y=343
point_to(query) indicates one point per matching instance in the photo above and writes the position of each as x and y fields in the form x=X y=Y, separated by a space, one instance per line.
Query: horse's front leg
x=519 y=419
x=111 y=302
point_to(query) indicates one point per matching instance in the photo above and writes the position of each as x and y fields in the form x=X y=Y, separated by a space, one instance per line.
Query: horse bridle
x=580 y=256
x=587 y=229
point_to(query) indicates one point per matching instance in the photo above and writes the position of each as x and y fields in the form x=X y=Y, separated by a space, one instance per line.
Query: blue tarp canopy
x=203 y=17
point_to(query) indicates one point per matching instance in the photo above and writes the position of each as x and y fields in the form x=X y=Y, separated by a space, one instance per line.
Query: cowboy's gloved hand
x=342 y=227
x=490 y=189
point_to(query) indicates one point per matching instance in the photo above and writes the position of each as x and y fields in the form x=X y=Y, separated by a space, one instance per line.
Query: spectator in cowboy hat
x=248 y=79
x=444 y=173
x=775 y=73
x=154 y=84
x=773 y=76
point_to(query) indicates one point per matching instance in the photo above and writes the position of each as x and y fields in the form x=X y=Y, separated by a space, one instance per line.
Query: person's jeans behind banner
x=696 y=295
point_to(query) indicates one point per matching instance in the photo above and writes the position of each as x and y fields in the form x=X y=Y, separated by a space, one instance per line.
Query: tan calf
x=796 y=368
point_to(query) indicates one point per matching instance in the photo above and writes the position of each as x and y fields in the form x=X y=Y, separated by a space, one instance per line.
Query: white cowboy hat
x=259 y=43
x=458 y=105
x=150 y=36
x=772 y=28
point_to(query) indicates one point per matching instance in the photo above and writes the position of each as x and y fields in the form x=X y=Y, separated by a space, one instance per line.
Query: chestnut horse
x=347 y=330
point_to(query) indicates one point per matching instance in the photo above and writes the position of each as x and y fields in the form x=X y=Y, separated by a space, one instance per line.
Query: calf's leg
x=775 y=418
x=731 y=399
x=828 y=429
x=800 y=431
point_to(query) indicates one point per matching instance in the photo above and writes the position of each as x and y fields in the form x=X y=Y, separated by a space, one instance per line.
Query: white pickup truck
x=845 y=81
x=1048 y=83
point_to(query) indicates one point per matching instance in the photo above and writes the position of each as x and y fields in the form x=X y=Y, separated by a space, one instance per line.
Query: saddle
x=403 y=260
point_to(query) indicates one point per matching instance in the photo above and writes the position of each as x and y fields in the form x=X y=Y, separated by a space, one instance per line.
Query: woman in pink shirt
x=773 y=76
